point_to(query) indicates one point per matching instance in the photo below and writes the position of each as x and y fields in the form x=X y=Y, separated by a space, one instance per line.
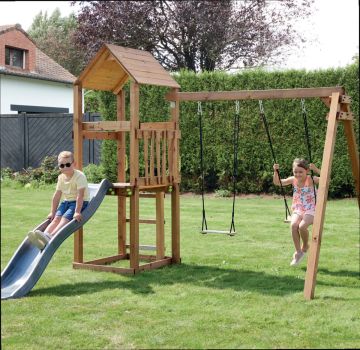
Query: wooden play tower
x=109 y=70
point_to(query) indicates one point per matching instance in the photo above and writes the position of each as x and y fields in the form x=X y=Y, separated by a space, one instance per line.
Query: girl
x=303 y=204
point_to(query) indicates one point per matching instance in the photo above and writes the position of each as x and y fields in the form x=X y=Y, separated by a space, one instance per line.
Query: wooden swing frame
x=339 y=111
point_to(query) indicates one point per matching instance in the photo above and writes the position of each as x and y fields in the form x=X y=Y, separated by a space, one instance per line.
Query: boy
x=72 y=185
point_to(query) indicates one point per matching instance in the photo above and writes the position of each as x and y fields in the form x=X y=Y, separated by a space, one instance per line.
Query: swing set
x=232 y=231
x=204 y=227
x=157 y=172
x=339 y=111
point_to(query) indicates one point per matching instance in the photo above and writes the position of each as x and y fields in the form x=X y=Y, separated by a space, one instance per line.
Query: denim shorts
x=67 y=209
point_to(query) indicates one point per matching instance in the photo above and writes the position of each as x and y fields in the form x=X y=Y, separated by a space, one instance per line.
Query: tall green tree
x=54 y=35
x=197 y=35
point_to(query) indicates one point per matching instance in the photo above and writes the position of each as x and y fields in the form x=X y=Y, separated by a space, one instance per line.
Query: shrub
x=94 y=173
x=254 y=157
x=47 y=173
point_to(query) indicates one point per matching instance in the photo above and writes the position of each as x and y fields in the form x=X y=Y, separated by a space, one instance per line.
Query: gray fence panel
x=47 y=136
x=11 y=141
x=26 y=139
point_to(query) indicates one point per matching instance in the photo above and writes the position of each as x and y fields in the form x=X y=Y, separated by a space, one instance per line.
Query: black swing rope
x=235 y=159
x=200 y=114
x=235 y=165
x=263 y=117
x=307 y=139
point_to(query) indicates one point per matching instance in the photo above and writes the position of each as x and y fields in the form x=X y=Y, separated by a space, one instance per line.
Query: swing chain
x=199 y=107
x=307 y=139
x=303 y=106
x=261 y=107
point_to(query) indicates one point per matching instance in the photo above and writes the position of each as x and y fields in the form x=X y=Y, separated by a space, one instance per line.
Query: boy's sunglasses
x=62 y=166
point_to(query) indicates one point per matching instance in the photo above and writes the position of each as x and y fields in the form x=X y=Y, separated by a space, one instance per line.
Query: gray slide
x=28 y=263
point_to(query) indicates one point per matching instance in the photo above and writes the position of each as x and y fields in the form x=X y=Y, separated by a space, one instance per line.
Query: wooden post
x=134 y=174
x=134 y=126
x=313 y=259
x=175 y=195
x=175 y=223
x=121 y=158
x=78 y=155
x=160 y=229
x=134 y=229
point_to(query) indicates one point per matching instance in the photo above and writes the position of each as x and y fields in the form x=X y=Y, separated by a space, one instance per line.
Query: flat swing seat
x=218 y=232
x=288 y=219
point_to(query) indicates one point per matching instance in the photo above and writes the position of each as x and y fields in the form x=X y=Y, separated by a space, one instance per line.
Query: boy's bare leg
x=53 y=224
x=295 y=221
x=62 y=223
x=304 y=232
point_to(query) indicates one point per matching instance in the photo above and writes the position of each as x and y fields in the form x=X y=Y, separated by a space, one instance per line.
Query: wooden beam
x=175 y=149
x=254 y=94
x=78 y=156
x=175 y=223
x=134 y=126
x=156 y=264
x=160 y=228
x=100 y=135
x=144 y=247
x=121 y=170
x=107 y=260
x=157 y=126
x=313 y=259
x=144 y=221
x=120 y=125
x=104 y=268
x=134 y=229
x=119 y=84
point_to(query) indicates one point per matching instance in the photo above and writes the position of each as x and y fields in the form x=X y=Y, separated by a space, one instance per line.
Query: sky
x=332 y=32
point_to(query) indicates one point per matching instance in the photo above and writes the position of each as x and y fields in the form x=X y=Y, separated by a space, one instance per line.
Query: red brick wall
x=18 y=40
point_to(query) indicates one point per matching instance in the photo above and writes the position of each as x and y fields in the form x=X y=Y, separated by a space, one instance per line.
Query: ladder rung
x=144 y=247
x=145 y=221
x=218 y=232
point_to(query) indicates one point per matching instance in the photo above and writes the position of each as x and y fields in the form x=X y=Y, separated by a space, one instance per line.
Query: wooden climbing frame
x=109 y=70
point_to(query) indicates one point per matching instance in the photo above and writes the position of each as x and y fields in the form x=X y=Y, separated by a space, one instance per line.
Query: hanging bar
x=254 y=94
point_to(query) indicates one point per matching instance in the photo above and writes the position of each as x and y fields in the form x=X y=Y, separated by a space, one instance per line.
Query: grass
x=229 y=292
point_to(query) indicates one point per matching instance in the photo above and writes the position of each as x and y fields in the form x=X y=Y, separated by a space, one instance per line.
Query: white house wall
x=33 y=92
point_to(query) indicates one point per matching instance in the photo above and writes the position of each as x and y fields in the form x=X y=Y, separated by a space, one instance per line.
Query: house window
x=14 y=57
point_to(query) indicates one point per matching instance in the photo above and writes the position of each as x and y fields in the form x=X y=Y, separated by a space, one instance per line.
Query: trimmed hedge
x=254 y=155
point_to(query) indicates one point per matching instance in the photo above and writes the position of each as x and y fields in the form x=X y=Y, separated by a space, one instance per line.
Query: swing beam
x=339 y=111
x=322 y=92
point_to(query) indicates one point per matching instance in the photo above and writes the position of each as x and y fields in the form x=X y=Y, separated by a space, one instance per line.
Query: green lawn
x=229 y=292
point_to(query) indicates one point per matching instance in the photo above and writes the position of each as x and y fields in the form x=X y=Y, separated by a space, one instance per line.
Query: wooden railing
x=160 y=152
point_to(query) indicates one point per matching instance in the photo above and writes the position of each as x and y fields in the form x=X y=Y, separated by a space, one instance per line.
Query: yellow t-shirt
x=69 y=188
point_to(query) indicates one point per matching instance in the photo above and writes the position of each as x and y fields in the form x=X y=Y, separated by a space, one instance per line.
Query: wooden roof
x=113 y=65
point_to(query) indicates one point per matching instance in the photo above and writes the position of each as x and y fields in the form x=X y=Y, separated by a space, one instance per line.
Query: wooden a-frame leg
x=313 y=259
x=353 y=154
